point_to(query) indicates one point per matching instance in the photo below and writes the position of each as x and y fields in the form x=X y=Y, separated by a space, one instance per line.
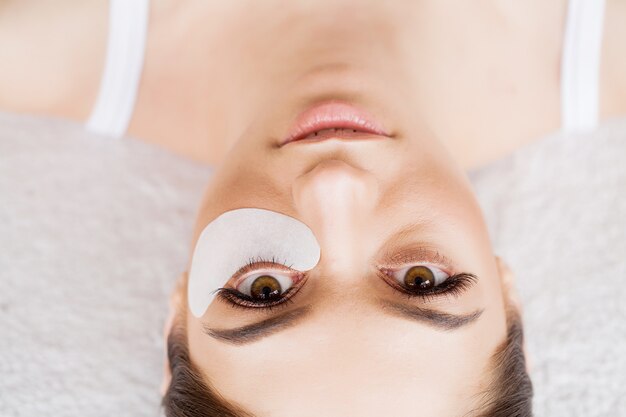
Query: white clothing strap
x=580 y=65
x=128 y=24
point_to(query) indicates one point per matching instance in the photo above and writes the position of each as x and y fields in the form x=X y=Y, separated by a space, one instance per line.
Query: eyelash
x=238 y=300
x=259 y=262
x=453 y=286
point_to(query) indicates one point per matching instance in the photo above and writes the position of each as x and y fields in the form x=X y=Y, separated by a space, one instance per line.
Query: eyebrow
x=256 y=331
x=433 y=318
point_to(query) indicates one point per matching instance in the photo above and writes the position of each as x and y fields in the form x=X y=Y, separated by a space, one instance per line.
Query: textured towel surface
x=93 y=233
x=557 y=214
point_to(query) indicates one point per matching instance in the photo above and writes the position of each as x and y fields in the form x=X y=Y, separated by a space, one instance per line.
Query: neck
x=272 y=63
x=236 y=63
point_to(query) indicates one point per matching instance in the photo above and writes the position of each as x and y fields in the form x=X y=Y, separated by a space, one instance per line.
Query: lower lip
x=350 y=122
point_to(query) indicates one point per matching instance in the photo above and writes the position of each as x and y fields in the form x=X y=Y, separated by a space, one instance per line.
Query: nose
x=336 y=200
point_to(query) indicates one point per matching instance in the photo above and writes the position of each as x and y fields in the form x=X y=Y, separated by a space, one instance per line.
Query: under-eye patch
x=237 y=236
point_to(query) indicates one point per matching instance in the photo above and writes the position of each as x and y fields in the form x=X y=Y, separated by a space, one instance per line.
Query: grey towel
x=94 y=231
x=557 y=213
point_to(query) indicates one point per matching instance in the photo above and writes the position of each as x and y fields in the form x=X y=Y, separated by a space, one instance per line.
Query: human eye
x=420 y=279
x=262 y=284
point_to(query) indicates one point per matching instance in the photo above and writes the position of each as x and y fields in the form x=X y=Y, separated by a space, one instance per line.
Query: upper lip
x=334 y=115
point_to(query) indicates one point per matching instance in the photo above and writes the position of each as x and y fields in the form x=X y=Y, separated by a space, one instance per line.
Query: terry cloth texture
x=93 y=233
x=556 y=211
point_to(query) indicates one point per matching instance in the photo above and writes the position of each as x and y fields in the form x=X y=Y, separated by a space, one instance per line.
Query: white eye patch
x=232 y=239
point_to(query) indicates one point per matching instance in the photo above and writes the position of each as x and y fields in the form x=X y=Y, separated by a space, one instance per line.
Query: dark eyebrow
x=444 y=321
x=255 y=331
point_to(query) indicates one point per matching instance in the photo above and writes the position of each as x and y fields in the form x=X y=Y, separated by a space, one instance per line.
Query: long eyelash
x=238 y=300
x=453 y=286
x=259 y=261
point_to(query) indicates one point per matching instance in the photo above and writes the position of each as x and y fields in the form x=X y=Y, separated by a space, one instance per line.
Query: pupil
x=266 y=292
x=265 y=287
x=419 y=277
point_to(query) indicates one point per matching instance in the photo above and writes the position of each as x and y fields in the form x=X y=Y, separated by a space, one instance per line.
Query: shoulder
x=613 y=68
x=52 y=54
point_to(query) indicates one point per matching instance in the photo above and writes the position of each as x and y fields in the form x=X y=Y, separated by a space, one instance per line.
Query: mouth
x=334 y=120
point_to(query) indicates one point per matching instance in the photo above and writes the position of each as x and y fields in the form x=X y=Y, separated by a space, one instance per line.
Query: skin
x=246 y=71
x=355 y=206
x=485 y=75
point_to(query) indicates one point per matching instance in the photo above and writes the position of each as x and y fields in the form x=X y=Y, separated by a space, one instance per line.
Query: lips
x=334 y=120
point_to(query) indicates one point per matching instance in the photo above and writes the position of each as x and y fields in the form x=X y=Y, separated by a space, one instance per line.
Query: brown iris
x=419 y=278
x=265 y=287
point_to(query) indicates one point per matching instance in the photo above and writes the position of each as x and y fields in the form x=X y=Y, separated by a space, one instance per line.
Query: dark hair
x=188 y=395
x=509 y=394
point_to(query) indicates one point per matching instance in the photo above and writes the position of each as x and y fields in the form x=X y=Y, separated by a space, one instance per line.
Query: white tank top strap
x=580 y=65
x=128 y=25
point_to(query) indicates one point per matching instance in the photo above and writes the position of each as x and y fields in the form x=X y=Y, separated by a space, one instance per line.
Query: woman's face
x=350 y=342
